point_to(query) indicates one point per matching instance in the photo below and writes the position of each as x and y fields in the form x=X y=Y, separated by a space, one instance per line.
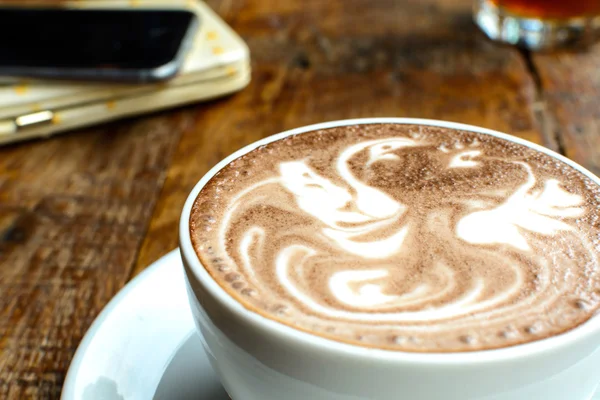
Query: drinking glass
x=539 y=24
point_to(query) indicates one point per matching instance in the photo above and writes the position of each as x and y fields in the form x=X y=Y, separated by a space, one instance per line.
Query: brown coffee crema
x=405 y=237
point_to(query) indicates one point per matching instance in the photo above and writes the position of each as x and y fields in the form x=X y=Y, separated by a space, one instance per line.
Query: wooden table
x=84 y=212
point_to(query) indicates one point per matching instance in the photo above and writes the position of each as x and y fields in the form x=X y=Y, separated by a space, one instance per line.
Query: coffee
x=405 y=237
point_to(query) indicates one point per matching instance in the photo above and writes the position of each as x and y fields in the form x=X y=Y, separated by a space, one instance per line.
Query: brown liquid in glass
x=550 y=9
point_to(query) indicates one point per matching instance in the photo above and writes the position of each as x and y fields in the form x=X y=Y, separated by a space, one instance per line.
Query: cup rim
x=285 y=332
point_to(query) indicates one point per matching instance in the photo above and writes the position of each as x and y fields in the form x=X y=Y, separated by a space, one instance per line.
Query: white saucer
x=144 y=345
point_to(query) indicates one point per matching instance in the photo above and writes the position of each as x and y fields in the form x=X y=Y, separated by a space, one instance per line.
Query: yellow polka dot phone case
x=217 y=64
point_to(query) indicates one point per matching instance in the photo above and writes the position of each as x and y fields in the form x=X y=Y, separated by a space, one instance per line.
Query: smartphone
x=94 y=44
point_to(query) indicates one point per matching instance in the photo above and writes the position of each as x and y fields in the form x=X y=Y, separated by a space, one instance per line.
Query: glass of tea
x=539 y=24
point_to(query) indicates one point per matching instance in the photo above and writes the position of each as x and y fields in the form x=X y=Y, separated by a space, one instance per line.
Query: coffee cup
x=259 y=358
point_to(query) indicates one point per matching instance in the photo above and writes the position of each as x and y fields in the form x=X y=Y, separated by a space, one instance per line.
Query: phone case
x=217 y=64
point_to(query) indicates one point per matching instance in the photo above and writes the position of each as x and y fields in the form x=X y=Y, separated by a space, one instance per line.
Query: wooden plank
x=570 y=87
x=73 y=212
x=316 y=61
x=75 y=209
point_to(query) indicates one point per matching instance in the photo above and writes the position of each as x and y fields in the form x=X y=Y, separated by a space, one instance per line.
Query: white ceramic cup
x=260 y=359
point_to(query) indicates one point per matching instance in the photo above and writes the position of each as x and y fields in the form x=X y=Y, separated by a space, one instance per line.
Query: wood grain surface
x=82 y=213
x=570 y=86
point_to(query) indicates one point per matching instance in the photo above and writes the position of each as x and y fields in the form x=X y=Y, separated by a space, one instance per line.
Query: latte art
x=405 y=237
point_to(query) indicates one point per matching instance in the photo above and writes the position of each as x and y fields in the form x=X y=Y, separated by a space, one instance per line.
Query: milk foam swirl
x=405 y=237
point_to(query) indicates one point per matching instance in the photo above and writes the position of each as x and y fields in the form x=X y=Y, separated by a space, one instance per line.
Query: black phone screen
x=91 y=39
